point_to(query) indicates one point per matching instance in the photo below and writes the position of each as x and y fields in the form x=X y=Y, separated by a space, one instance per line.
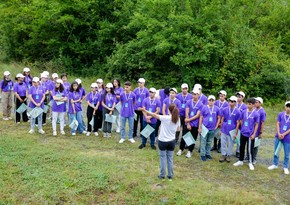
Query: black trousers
x=24 y=114
x=99 y=114
x=250 y=144
x=90 y=115
x=140 y=120
x=194 y=132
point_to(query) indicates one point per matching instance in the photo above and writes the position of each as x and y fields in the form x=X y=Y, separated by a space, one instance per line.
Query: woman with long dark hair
x=108 y=102
x=117 y=90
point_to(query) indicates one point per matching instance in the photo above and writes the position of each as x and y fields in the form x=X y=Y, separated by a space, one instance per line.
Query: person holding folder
x=21 y=93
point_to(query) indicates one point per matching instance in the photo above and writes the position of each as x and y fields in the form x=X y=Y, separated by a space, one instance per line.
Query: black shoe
x=219 y=150
x=141 y=146
x=237 y=155
x=213 y=148
x=203 y=158
x=153 y=147
x=208 y=156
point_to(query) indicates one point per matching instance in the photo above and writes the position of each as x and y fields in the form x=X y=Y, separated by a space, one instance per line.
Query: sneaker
x=109 y=135
x=88 y=133
x=179 y=152
x=188 y=155
x=162 y=178
x=153 y=147
x=73 y=134
x=105 y=134
x=208 y=156
x=273 y=167
x=228 y=159
x=31 y=131
x=62 y=132
x=213 y=148
x=41 y=131
x=203 y=158
x=222 y=159
x=17 y=122
x=96 y=134
x=54 y=133
x=286 y=171
x=141 y=146
x=251 y=166
x=121 y=141
x=238 y=163
x=255 y=162
x=43 y=124
x=169 y=179
x=132 y=140
x=5 y=118
x=118 y=131
x=84 y=132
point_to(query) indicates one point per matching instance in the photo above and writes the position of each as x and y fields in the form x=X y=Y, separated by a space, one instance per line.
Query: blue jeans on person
x=78 y=117
x=32 y=122
x=286 y=147
x=123 y=127
x=205 y=143
x=152 y=136
x=166 y=151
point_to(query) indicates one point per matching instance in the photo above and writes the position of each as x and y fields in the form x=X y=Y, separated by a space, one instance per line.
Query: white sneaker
x=62 y=132
x=179 y=152
x=251 y=166
x=238 y=163
x=5 y=118
x=118 y=131
x=108 y=135
x=54 y=133
x=286 y=171
x=132 y=140
x=188 y=155
x=96 y=134
x=31 y=131
x=88 y=133
x=18 y=123
x=73 y=134
x=41 y=131
x=121 y=141
x=273 y=167
x=84 y=132
x=105 y=135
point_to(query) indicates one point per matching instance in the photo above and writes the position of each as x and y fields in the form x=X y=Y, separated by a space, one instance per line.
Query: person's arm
x=218 y=122
x=32 y=100
x=18 y=97
x=153 y=114
x=163 y=109
x=73 y=106
x=255 y=131
x=200 y=124
x=261 y=130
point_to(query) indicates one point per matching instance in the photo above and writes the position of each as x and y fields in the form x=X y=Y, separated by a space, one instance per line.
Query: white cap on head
x=79 y=81
x=173 y=89
x=26 y=69
x=35 y=79
x=46 y=73
x=153 y=90
x=6 y=73
x=59 y=81
x=109 y=85
x=241 y=93
x=222 y=92
x=195 y=91
x=19 y=75
x=99 y=80
x=184 y=85
x=42 y=75
x=141 y=80
x=211 y=97
x=94 y=85
x=197 y=86
x=54 y=75
x=233 y=98
x=259 y=99
x=286 y=103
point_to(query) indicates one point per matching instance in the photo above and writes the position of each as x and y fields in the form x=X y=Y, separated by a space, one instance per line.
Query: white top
x=167 y=128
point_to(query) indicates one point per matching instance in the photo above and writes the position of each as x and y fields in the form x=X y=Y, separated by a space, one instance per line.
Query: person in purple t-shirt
x=161 y=95
x=202 y=97
x=6 y=88
x=249 y=127
x=230 y=121
x=117 y=90
x=83 y=94
x=141 y=93
x=108 y=103
x=59 y=95
x=210 y=119
x=101 y=90
x=66 y=84
x=21 y=93
x=282 y=139
x=152 y=104
x=27 y=77
x=128 y=100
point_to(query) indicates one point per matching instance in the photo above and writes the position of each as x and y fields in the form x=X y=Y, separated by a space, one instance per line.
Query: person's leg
x=162 y=157
x=118 y=122
x=123 y=127
x=80 y=121
x=255 y=153
x=243 y=141
x=230 y=145
x=182 y=142
x=276 y=157
x=9 y=105
x=152 y=136
x=286 y=154
x=5 y=104
x=203 y=145
x=105 y=124
x=141 y=121
x=169 y=155
x=89 y=117
x=209 y=142
x=61 y=120
x=157 y=127
x=54 y=120
x=136 y=123
x=131 y=125
x=32 y=123
x=194 y=133
x=224 y=144
x=17 y=115
x=40 y=121
x=24 y=114
x=100 y=118
x=251 y=144
x=71 y=118
x=214 y=144
x=144 y=139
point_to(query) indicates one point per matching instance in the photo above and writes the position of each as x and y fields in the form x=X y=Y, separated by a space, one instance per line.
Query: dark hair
x=127 y=83
x=71 y=86
x=5 y=82
x=287 y=105
x=60 y=89
x=119 y=82
x=167 y=90
x=174 y=113
x=63 y=75
x=251 y=100
x=29 y=75
x=79 y=85
x=105 y=94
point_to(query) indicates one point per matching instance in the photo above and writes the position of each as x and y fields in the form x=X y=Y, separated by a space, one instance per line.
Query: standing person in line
x=99 y=113
x=141 y=93
x=66 y=84
x=171 y=100
x=21 y=93
x=83 y=96
x=27 y=77
x=249 y=127
x=117 y=90
x=221 y=104
x=230 y=120
x=58 y=108
x=6 y=89
x=45 y=84
x=202 y=96
x=93 y=100
x=108 y=103
x=192 y=113
x=128 y=100
x=210 y=118
x=161 y=94
x=166 y=139
x=152 y=104
x=75 y=97
x=241 y=106
x=36 y=96
x=282 y=138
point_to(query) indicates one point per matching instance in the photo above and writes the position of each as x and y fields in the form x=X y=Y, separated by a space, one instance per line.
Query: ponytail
x=174 y=113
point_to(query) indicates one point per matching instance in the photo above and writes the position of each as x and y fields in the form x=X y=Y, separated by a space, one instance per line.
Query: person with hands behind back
x=108 y=103
x=93 y=100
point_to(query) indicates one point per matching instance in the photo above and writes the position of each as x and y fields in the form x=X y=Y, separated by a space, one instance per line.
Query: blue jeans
x=205 y=143
x=286 y=153
x=152 y=136
x=166 y=151
x=32 y=122
x=123 y=127
x=78 y=117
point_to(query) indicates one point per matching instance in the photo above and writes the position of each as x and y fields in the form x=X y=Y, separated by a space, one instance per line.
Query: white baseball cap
x=233 y=98
x=26 y=69
x=99 y=80
x=35 y=79
x=173 y=89
x=19 y=75
x=141 y=80
x=286 y=103
x=197 y=86
x=79 y=81
x=46 y=73
x=109 y=85
x=222 y=92
x=94 y=85
x=42 y=75
x=184 y=85
x=259 y=99
x=59 y=81
x=54 y=75
x=241 y=93
x=6 y=73
x=153 y=90
x=195 y=91
x=211 y=97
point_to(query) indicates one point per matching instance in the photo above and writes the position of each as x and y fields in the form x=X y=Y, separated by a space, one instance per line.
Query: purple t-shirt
x=151 y=106
x=61 y=107
x=221 y=105
x=94 y=98
x=262 y=118
x=66 y=86
x=248 y=122
x=141 y=94
x=109 y=99
x=284 y=121
x=74 y=96
x=163 y=96
x=101 y=93
x=118 y=92
x=241 y=106
x=28 y=81
x=20 y=89
x=210 y=116
x=231 y=116
x=127 y=100
x=183 y=99
x=203 y=99
x=194 y=107
x=45 y=85
x=8 y=87
x=37 y=94
x=168 y=101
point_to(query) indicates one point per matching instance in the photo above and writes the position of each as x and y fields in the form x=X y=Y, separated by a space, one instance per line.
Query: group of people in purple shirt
x=223 y=122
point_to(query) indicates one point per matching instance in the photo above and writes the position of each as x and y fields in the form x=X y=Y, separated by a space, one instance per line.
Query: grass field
x=42 y=169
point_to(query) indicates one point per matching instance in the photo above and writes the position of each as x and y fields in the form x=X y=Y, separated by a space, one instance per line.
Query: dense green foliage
x=234 y=44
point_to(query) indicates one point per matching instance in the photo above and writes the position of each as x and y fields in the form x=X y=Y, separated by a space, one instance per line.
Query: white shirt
x=167 y=128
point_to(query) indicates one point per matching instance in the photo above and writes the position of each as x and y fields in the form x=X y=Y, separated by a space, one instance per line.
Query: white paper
x=92 y=122
x=257 y=142
x=35 y=112
x=204 y=131
x=74 y=124
x=118 y=107
x=59 y=102
x=188 y=138
x=22 y=108
x=110 y=118
x=45 y=109
x=278 y=149
x=147 y=131
x=135 y=116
